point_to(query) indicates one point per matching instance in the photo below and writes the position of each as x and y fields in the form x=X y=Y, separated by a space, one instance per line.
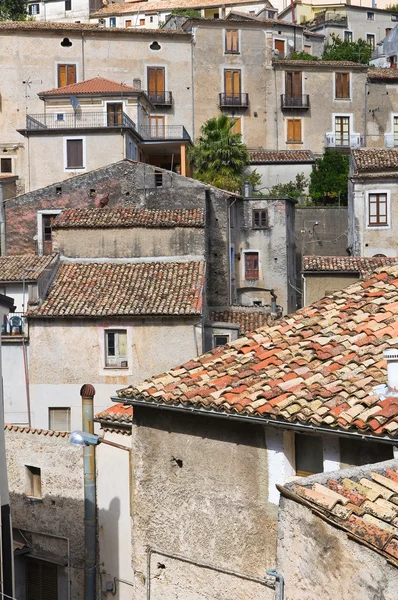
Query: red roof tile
x=110 y=288
x=375 y=159
x=117 y=413
x=97 y=85
x=128 y=217
x=375 y=74
x=26 y=267
x=247 y=319
x=310 y=367
x=365 y=266
x=281 y=156
x=370 y=520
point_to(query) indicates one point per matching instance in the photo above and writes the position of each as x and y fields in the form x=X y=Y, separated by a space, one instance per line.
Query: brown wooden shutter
x=280 y=46
x=74 y=154
x=61 y=75
x=129 y=23
x=151 y=80
x=289 y=84
x=41 y=580
x=290 y=130
x=297 y=130
x=236 y=83
x=160 y=80
x=228 y=82
x=228 y=40
x=297 y=85
x=346 y=85
x=71 y=74
x=237 y=126
x=232 y=40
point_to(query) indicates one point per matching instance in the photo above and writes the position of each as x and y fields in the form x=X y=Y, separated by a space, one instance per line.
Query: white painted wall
x=280 y=454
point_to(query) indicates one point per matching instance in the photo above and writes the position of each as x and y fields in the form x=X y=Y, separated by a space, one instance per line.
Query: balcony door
x=114 y=114
x=293 y=88
x=156 y=84
x=342 y=131
x=157 y=126
x=232 y=86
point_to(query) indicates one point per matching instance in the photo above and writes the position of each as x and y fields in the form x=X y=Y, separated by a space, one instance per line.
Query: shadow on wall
x=109 y=571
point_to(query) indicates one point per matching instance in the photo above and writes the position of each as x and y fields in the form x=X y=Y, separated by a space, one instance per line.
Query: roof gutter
x=300 y=427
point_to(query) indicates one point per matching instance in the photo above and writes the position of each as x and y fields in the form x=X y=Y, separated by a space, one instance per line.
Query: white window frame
x=374 y=39
x=67 y=408
x=334 y=92
x=373 y=18
x=74 y=169
x=375 y=227
x=112 y=22
x=117 y=329
x=243 y=263
x=40 y=213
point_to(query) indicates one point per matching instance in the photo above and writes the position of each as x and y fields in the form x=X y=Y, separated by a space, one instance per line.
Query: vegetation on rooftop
x=191 y=13
x=359 y=51
x=13 y=10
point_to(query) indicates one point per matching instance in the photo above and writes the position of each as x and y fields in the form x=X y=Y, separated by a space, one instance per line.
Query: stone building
x=292 y=399
x=62 y=10
x=337 y=536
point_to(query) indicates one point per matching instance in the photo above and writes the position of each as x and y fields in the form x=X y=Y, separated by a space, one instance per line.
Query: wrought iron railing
x=329 y=17
x=302 y=101
x=165 y=132
x=78 y=120
x=333 y=140
x=161 y=98
x=236 y=100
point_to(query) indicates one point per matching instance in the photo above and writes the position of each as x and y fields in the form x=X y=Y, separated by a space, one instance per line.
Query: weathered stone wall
x=317 y=286
x=60 y=510
x=200 y=490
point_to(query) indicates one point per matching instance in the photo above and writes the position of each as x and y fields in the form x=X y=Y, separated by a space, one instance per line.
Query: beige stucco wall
x=200 y=490
x=317 y=286
x=74 y=355
x=129 y=242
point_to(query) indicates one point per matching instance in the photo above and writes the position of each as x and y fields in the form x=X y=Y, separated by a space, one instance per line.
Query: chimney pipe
x=391 y=356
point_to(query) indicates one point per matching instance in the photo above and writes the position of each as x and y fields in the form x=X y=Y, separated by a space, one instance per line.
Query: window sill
x=231 y=52
x=260 y=228
x=294 y=142
x=378 y=227
x=344 y=99
x=33 y=499
x=74 y=169
x=112 y=368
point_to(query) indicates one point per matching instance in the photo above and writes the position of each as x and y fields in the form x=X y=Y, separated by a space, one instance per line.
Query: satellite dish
x=74 y=101
x=105 y=2
x=290 y=43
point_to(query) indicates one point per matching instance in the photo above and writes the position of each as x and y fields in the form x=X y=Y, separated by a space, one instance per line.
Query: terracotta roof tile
x=117 y=413
x=128 y=217
x=124 y=8
x=248 y=320
x=375 y=159
x=370 y=521
x=105 y=31
x=376 y=74
x=97 y=85
x=281 y=156
x=110 y=288
x=309 y=367
x=321 y=64
x=365 y=266
x=49 y=432
x=24 y=266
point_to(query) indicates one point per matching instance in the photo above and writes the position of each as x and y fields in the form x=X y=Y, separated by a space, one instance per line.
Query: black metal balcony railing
x=329 y=17
x=161 y=98
x=302 y=101
x=78 y=120
x=234 y=100
x=167 y=132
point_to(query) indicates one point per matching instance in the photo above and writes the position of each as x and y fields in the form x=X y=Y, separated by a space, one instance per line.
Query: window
x=220 y=340
x=309 y=454
x=388 y=29
x=156 y=126
x=156 y=84
x=342 y=81
x=33 y=482
x=59 y=419
x=308 y=49
x=260 y=219
x=216 y=16
x=158 y=179
x=34 y=9
x=237 y=126
x=114 y=113
x=47 y=223
x=293 y=85
x=377 y=210
x=294 y=131
x=74 y=154
x=342 y=131
x=232 y=86
x=151 y=19
x=6 y=165
x=129 y=23
x=116 y=349
x=348 y=36
x=370 y=39
x=370 y=16
x=41 y=580
x=66 y=75
x=232 y=41
x=251 y=265
x=60 y=116
x=395 y=126
x=112 y=22
x=279 y=46
x=142 y=22
x=68 y=4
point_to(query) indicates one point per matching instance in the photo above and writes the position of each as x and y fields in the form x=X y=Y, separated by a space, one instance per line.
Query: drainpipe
x=280 y=580
x=83 y=42
x=365 y=110
x=87 y=393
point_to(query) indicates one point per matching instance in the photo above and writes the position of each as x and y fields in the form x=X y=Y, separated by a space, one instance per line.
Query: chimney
x=137 y=83
x=391 y=356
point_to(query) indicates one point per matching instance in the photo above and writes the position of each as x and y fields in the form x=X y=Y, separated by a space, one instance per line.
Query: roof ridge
x=35 y=430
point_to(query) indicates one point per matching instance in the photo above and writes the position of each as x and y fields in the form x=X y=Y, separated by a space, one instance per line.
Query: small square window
x=142 y=22
x=158 y=179
x=370 y=16
x=59 y=419
x=128 y=23
x=68 y=4
x=6 y=165
x=348 y=36
x=112 y=22
x=309 y=454
x=151 y=19
x=116 y=349
x=33 y=482
x=260 y=219
x=220 y=340
x=251 y=265
x=60 y=116
x=34 y=9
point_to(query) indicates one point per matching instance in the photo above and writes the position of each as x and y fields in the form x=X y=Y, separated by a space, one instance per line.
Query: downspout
x=231 y=266
x=87 y=393
x=2 y=224
x=365 y=110
x=193 y=85
x=280 y=580
x=83 y=42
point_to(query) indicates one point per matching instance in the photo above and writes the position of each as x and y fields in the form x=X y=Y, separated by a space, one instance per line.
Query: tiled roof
x=156 y=5
x=129 y=217
x=365 y=266
x=24 y=266
x=117 y=413
x=97 y=85
x=317 y=366
x=335 y=64
x=383 y=74
x=313 y=33
x=97 y=289
x=372 y=159
x=281 y=156
x=361 y=501
x=248 y=320
x=101 y=30
x=49 y=432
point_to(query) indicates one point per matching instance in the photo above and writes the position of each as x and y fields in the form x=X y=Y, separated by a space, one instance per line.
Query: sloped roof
x=317 y=366
x=98 y=289
x=321 y=64
x=117 y=413
x=26 y=267
x=365 y=266
x=90 y=218
x=361 y=501
x=375 y=159
x=97 y=85
x=127 y=8
x=383 y=74
x=93 y=27
x=248 y=320
x=281 y=156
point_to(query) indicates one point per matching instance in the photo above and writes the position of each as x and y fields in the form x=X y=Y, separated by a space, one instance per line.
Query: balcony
x=333 y=140
x=79 y=120
x=328 y=18
x=297 y=102
x=165 y=132
x=390 y=140
x=233 y=100
x=161 y=98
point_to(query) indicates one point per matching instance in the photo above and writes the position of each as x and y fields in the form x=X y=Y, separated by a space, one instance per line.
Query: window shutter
x=297 y=85
x=280 y=46
x=228 y=82
x=289 y=84
x=236 y=83
x=49 y=582
x=71 y=74
x=290 y=130
x=237 y=127
x=297 y=130
x=160 y=81
x=61 y=75
x=339 y=85
x=74 y=150
x=59 y=419
x=345 y=85
x=234 y=40
x=33 y=580
x=41 y=580
x=228 y=40
x=152 y=80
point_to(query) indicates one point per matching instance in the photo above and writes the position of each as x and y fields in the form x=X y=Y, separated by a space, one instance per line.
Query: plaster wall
x=60 y=510
x=14 y=382
x=55 y=10
x=321 y=231
x=382 y=106
x=75 y=354
x=129 y=242
x=320 y=561
x=317 y=286
x=274 y=174
x=200 y=490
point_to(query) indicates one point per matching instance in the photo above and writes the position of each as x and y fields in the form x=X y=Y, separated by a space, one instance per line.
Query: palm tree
x=219 y=157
